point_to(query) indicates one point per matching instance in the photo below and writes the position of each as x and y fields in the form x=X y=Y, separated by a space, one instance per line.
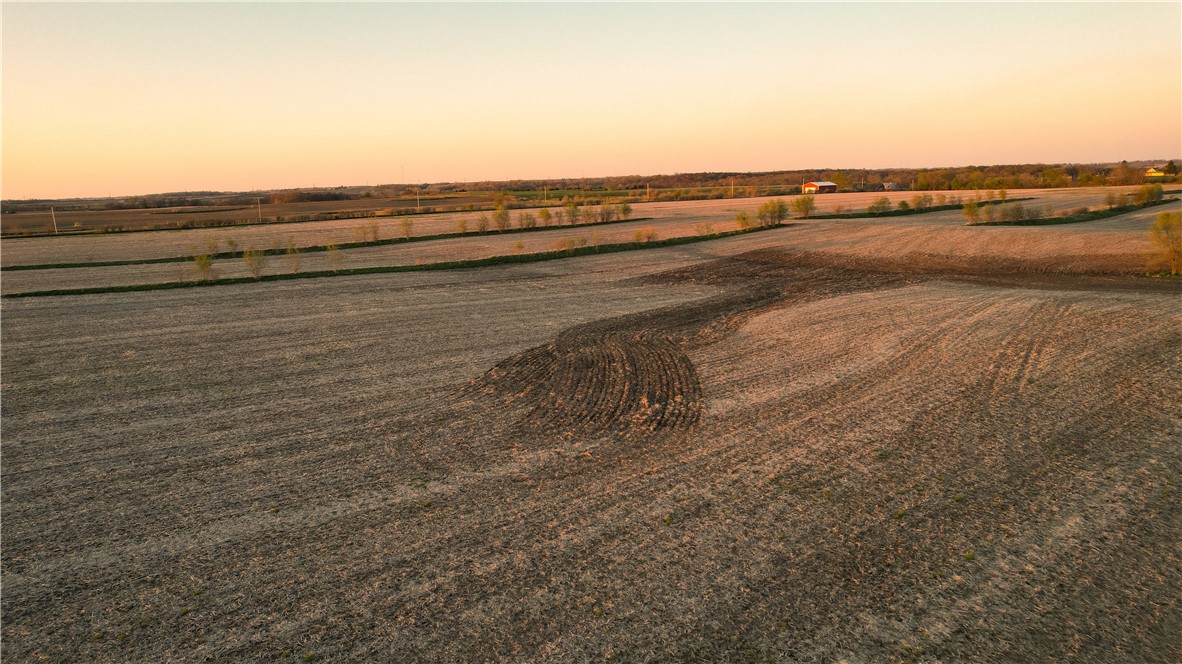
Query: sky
x=126 y=99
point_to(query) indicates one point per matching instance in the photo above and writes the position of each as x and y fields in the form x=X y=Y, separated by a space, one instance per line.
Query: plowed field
x=865 y=440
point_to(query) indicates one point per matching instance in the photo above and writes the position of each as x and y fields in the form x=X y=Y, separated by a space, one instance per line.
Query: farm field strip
x=426 y=252
x=237 y=254
x=133 y=246
x=1121 y=244
x=942 y=397
x=730 y=465
x=273 y=212
x=247 y=213
x=34 y=251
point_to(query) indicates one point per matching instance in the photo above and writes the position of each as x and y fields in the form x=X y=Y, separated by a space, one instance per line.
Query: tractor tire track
x=632 y=373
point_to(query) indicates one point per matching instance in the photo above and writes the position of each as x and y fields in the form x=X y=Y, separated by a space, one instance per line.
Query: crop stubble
x=776 y=454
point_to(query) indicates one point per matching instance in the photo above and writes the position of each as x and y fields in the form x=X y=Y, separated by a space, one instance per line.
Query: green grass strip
x=447 y=265
x=1076 y=218
x=223 y=255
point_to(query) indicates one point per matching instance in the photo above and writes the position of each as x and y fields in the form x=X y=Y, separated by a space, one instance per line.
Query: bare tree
x=1148 y=193
x=804 y=206
x=880 y=205
x=334 y=256
x=1166 y=234
x=254 y=260
x=772 y=212
x=293 y=256
x=971 y=212
x=203 y=263
x=501 y=217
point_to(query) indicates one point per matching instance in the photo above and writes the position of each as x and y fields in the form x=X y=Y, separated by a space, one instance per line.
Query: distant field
x=184 y=217
x=239 y=213
x=933 y=233
x=352 y=210
x=869 y=440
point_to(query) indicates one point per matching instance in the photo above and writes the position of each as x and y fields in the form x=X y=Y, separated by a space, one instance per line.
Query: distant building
x=1153 y=173
x=891 y=186
x=821 y=187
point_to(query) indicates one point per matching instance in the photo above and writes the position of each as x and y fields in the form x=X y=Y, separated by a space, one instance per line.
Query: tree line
x=679 y=186
x=1011 y=176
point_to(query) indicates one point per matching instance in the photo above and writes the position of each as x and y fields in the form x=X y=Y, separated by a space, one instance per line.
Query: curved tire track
x=632 y=373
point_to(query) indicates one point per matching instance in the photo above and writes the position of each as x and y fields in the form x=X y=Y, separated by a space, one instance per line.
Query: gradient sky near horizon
x=126 y=99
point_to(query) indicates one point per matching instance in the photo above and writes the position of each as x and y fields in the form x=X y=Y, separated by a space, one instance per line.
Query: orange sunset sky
x=122 y=99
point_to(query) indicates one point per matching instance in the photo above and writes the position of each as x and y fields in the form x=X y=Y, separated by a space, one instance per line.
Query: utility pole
x=259 y=202
x=648 y=195
x=732 y=187
x=545 y=195
x=54 y=215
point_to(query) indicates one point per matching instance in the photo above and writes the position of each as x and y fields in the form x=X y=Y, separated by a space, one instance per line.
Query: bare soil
x=1118 y=244
x=130 y=246
x=793 y=446
x=75 y=221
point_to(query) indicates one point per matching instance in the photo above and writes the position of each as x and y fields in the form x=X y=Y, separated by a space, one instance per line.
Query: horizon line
x=586 y=177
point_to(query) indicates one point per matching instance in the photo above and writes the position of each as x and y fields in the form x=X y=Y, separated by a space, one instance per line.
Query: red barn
x=822 y=187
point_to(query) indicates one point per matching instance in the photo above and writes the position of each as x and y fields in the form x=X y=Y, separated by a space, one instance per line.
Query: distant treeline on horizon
x=1009 y=176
